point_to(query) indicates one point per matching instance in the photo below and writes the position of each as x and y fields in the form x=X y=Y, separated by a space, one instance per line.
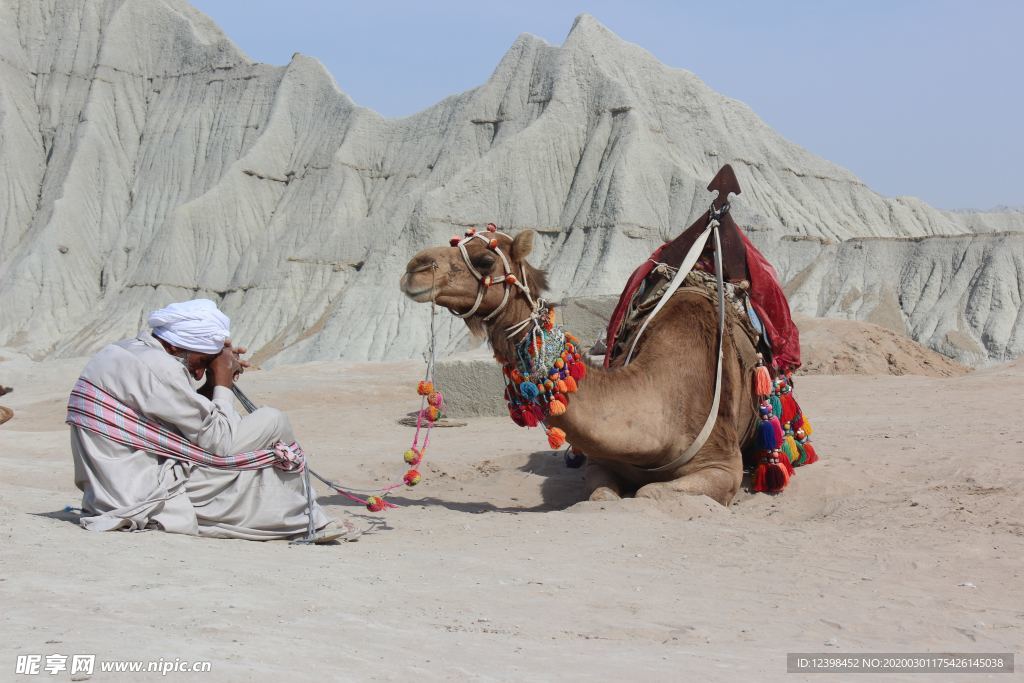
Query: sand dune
x=906 y=537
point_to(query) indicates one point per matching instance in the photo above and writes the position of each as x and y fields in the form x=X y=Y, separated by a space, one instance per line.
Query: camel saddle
x=742 y=265
x=734 y=250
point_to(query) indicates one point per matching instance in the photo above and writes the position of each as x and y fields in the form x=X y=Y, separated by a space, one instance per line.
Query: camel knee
x=720 y=485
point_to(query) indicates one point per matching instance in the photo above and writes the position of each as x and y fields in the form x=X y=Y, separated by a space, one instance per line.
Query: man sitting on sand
x=151 y=450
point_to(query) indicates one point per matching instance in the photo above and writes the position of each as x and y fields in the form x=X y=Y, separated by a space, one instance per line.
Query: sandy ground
x=907 y=537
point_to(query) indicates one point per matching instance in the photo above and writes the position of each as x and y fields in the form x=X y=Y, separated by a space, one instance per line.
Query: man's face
x=196 y=363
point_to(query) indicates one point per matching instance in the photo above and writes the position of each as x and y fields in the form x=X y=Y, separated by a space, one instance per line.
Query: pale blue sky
x=917 y=97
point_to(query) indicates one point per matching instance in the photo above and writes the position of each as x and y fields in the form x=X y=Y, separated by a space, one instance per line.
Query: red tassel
x=578 y=371
x=538 y=413
x=789 y=407
x=812 y=455
x=771 y=475
x=780 y=433
x=762 y=381
x=529 y=418
x=516 y=413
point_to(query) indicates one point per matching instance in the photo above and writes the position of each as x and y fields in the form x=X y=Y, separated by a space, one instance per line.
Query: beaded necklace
x=547 y=368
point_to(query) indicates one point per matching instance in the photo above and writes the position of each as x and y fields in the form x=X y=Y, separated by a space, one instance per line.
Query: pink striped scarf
x=93 y=409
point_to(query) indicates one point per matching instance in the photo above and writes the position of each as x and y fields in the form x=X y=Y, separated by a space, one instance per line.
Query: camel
x=627 y=420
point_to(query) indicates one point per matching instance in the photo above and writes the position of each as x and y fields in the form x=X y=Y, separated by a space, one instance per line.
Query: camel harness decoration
x=697 y=375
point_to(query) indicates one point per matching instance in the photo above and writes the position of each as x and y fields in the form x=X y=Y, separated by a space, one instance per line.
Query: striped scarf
x=94 y=410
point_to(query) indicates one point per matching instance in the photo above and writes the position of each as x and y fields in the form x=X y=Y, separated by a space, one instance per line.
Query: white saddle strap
x=684 y=269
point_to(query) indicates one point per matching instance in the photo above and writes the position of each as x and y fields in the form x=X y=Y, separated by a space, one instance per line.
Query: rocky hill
x=144 y=158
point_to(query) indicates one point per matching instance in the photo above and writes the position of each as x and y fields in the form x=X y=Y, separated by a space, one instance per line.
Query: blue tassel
x=766 y=437
x=776 y=405
x=529 y=390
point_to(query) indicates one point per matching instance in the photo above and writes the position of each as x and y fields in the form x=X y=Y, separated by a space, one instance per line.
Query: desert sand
x=906 y=537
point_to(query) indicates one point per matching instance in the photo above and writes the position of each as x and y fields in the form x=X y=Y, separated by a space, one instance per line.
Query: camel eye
x=483 y=262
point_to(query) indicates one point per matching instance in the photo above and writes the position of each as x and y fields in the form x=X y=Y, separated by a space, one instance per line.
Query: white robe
x=130 y=489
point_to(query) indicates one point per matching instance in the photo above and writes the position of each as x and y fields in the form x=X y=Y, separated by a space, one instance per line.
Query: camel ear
x=522 y=245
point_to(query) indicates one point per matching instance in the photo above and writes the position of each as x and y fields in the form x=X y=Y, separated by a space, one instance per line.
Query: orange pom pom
x=470 y=232
x=493 y=244
x=562 y=386
x=375 y=504
x=511 y=279
x=433 y=413
x=556 y=437
x=559 y=363
x=411 y=478
x=556 y=407
x=425 y=388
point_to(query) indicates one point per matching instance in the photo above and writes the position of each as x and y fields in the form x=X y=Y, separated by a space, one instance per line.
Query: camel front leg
x=600 y=482
x=718 y=482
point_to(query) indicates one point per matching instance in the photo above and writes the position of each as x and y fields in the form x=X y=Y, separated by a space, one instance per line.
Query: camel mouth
x=420 y=296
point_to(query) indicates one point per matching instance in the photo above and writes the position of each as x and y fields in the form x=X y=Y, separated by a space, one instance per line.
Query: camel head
x=477 y=276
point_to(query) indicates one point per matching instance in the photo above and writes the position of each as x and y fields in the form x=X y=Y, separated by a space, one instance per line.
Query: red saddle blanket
x=766 y=296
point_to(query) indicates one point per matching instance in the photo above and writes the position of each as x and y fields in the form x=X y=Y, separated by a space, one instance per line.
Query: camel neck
x=504 y=346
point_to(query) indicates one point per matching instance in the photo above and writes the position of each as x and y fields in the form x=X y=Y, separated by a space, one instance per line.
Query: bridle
x=508 y=278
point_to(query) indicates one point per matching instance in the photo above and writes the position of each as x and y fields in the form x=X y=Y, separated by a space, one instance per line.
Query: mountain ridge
x=269 y=190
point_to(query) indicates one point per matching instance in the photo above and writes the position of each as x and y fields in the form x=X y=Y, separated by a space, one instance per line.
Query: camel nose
x=420 y=262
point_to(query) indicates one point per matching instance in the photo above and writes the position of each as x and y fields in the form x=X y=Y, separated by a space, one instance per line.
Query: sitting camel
x=675 y=414
x=629 y=420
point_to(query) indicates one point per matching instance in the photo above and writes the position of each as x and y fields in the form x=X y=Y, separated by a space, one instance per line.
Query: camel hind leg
x=720 y=482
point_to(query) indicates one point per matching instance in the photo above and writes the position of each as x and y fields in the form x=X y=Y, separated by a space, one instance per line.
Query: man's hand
x=222 y=369
x=240 y=365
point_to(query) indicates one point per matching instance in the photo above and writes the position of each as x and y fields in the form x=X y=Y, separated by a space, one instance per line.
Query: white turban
x=195 y=325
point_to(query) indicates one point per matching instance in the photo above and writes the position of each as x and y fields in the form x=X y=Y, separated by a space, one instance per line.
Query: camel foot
x=603 y=493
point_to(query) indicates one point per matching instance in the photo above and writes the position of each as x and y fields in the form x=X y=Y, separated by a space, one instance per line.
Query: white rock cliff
x=144 y=159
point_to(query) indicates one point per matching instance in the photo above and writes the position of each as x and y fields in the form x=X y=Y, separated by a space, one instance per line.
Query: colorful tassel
x=556 y=437
x=570 y=385
x=762 y=381
x=529 y=418
x=776 y=404
x=789 y=407
x=529 y=391
x=517 y=415
x=771 y=475
x=779 y=431
x=806 y=448
x=376 y=504
x=766 y=436
x=578 y=371
x=411 y=478
x=556 y=407
x=413 y=456
x=425 y=388
x=802 y=460
x=562 y=386
x=806 y=426
x=789 y=448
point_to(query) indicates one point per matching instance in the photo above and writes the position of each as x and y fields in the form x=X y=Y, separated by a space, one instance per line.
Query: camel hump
x=724 y=183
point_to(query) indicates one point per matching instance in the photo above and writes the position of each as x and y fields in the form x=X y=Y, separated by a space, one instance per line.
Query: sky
x=916 y=97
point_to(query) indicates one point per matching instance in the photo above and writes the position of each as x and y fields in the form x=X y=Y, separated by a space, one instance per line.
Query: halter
x=486 y=281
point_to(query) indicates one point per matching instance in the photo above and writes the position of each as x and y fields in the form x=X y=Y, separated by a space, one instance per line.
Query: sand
x=906 y=537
